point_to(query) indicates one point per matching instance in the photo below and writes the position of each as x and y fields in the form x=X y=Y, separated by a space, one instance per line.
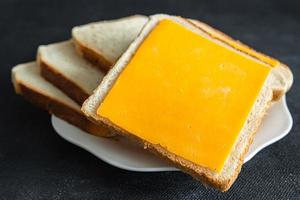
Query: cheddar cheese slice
x=236 y=44
x=187 y=93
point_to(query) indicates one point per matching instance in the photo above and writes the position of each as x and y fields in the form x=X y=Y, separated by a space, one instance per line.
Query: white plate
x=122 y=154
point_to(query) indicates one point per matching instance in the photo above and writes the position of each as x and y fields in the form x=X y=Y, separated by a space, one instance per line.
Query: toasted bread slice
x=62 y=66
x=102 y=43
x=221 y=180
x=28 y=83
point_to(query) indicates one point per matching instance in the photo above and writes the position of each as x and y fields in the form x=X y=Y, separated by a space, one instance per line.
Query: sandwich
x=190 y=95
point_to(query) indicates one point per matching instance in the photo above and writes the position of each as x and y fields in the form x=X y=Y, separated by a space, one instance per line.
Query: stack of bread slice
x=61 y=79
x=68 y=74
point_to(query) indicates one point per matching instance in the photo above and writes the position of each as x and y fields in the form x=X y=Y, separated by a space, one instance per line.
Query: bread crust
x=60 y=81
x=92 y=56
x=61 y=110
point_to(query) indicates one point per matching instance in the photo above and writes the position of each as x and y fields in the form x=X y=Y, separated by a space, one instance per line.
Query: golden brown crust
x=62 y=111
x=63 y=83
x=92 y=56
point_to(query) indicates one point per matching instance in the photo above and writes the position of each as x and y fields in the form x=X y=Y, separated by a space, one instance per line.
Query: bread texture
x=102 y=43
x=28 y=83
x=62 y=66
x=233 y=164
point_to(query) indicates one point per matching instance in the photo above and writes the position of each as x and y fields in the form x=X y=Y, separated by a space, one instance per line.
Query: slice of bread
x=62 y=66
x=28 y=83
x=102 y=43
x=232 y=167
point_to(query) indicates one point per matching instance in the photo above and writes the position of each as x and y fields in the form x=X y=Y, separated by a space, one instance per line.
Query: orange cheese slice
x=186 y=93
x=237 y=45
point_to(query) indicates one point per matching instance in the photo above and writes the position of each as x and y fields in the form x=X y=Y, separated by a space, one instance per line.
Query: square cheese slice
x=187 y=93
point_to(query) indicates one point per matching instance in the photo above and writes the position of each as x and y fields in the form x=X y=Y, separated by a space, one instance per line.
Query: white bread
x=62 y=66
x=28 y=83
x=102 y=43
x=232 y=167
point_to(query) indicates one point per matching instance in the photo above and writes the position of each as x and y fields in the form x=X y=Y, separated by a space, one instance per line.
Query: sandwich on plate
x=190 y=95
x=183 y=90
